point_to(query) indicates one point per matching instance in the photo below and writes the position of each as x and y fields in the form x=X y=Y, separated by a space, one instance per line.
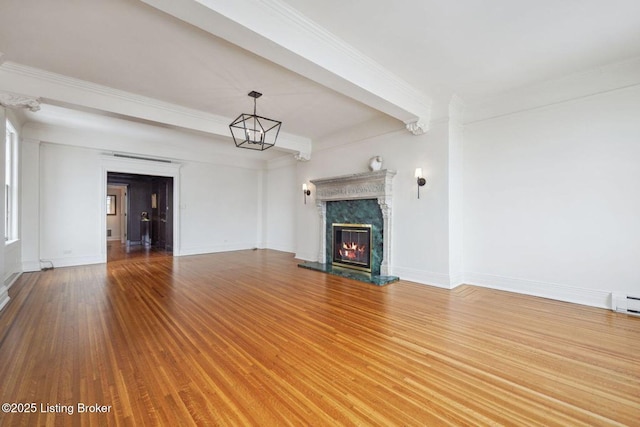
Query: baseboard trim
x=30 y=266
x=4 y=296
x=215 y=249
x=423 y=277
x=313 y=257
x=9 y=281
x=281 y=248
x=73 y=261
x=556 y=291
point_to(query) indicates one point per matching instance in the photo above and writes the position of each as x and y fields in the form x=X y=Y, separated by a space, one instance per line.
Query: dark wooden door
x=164 y=194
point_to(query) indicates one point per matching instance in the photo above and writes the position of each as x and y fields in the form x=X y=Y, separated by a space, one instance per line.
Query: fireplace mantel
x=369 y=185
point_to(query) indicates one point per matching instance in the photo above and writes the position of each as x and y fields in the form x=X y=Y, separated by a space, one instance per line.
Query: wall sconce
x=420 y=179
x=306 y=192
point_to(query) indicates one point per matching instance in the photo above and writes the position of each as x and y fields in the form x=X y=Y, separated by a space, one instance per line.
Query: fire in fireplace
x=352 y=246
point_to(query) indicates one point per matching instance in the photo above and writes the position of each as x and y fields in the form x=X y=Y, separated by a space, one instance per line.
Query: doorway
x=146 y=209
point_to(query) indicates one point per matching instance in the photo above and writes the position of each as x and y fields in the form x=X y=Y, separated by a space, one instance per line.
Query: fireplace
x=352 y=246
x=363 y=203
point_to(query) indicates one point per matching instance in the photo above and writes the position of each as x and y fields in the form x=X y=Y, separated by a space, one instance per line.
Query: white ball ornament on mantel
x=375 y=164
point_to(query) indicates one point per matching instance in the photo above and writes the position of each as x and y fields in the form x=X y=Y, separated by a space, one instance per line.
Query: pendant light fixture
x=254 y=132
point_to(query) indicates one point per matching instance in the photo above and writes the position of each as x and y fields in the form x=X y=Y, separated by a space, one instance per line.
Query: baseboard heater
x=623 y=303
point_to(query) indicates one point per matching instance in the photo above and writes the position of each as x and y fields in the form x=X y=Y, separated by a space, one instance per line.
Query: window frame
x=11 y=183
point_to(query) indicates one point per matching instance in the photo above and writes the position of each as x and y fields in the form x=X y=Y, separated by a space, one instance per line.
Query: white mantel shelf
x=368 y=185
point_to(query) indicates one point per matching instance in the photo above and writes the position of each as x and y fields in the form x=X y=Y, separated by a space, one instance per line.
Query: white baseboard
x=30 y=266
x=73 y=261
x=306 y=256
x=424 y=277
x=9 y=281
x=4 y=296
x=214 y=249
x=280 y=247
x=556 y=291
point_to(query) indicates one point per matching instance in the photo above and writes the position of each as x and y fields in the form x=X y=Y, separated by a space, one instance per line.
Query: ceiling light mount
x=254 y=132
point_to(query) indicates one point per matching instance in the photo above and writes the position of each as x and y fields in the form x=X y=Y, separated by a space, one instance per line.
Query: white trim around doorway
x=140 y=167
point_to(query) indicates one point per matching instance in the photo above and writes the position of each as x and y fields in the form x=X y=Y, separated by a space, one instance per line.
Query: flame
x=351 y=250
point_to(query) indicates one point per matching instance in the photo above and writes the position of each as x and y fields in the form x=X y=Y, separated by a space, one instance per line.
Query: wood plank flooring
x=248 y=338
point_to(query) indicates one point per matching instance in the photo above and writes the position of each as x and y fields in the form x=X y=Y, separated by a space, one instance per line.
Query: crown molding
x=592 y=82
x=279 y=33
x=57 y=89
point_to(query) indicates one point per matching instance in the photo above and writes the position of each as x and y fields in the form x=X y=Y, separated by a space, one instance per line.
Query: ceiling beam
x=57 y=89
x=279 y=33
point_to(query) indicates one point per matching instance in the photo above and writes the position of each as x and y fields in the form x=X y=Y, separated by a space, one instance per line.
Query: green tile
x=350 y=274
x=366 y=211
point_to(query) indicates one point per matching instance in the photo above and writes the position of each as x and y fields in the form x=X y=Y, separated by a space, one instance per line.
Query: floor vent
x=623 y=303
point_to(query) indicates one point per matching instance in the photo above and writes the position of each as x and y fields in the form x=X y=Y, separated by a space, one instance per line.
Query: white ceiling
x=476 y=48
x=472 y=48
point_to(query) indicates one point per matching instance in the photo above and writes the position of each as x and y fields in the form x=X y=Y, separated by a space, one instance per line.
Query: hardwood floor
x=117 y=251
x=248 y=338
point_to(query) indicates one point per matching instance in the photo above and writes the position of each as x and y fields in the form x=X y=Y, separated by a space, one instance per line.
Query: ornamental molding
x=13 y=100
x=368 y=185
x=417 y=127
x=302 y=156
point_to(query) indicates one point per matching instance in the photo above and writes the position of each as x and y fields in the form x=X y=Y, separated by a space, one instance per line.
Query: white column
x=385 y=207
x=455 y=171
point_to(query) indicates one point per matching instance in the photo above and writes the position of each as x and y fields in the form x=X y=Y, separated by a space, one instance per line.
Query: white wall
x=30 y=204
x=219 y=206
x=551 y=199
x=69 y=205
x=283 y=195
x=220 y=192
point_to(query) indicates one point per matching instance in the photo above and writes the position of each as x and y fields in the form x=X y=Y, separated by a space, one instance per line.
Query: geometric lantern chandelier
x=254 y=132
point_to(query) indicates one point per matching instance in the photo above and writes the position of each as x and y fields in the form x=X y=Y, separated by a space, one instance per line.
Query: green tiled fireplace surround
x=357 y=212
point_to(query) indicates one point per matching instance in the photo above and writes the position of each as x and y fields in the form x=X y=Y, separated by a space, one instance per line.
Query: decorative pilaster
x=385 y=208
x=322 y=210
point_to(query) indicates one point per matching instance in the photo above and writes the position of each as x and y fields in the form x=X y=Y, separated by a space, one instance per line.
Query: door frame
x=140 y=167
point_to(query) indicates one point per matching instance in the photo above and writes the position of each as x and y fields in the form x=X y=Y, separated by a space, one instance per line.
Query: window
x=11 y=184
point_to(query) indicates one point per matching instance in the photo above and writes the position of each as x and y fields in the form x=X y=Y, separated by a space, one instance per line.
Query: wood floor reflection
x=118 y=251
x=248 y=338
